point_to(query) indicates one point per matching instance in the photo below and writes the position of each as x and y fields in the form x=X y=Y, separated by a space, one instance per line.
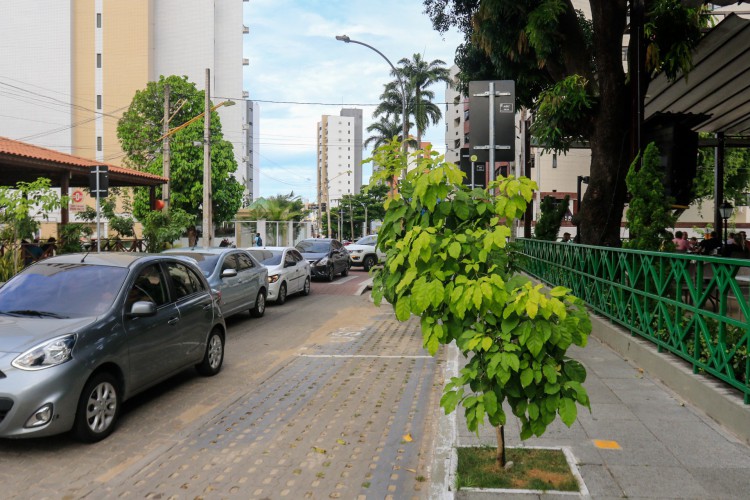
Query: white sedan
x=288 y=271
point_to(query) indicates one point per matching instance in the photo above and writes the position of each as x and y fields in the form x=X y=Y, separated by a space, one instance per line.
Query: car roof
x=318 y=239
x=270 y=248
x=115 y=259
x=203 y=250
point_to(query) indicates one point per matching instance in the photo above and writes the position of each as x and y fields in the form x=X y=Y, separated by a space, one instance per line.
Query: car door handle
x=207 y=306
x=173 y=321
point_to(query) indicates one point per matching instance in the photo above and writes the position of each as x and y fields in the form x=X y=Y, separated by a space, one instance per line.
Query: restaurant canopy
x=20 y=161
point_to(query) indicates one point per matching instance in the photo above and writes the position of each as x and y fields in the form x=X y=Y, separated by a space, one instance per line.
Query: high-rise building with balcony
x=71 y=67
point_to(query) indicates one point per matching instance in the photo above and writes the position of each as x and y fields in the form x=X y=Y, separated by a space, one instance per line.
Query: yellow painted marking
x=607 y=445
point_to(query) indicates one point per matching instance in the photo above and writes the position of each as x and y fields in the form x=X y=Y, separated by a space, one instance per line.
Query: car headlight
x=322 y=262
x=50 y=353
x=273 y=278
x=356 y=251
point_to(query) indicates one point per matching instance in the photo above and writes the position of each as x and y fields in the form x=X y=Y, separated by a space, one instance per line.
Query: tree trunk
x=500 y=434
x=192 y=236
x=604 y=201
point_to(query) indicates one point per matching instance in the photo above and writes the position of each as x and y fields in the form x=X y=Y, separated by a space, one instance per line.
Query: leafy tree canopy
x=139 y=131
x=569 y=71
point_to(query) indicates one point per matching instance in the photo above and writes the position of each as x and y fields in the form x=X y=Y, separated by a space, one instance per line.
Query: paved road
x=325 y=396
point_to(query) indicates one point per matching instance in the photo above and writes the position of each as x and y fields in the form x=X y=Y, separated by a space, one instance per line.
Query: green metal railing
x=696 y=307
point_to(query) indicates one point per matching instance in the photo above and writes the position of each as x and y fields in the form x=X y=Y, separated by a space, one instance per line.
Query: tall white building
x=69 y=68
x=339 y=156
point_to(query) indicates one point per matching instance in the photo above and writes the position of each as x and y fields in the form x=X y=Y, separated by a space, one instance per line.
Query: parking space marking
x=343 y=280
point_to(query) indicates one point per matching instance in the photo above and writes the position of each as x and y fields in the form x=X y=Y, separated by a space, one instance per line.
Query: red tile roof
x=25 y=150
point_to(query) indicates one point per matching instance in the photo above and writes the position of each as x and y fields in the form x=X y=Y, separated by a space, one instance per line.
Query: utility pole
x=207 y=217
x=351 y=218
x=166 y=152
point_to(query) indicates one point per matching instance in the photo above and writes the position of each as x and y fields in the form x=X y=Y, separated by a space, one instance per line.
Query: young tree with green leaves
x=21 y=207
x=569 y=71
x=139 y=131
x=122 y=225
x=650 y=210
x=549 y=222
x=450 y=263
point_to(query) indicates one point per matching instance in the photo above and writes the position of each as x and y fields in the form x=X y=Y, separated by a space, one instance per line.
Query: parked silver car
x=288 y=271
x=240 y=279
x=81 y=333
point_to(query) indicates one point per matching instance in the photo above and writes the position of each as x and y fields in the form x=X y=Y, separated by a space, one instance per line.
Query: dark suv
x=327 y=257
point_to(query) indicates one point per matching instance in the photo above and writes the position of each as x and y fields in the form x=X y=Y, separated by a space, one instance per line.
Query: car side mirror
x=142 y=308
x=229 y=273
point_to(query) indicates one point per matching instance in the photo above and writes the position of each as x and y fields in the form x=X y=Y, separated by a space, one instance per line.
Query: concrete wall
x=35 y=72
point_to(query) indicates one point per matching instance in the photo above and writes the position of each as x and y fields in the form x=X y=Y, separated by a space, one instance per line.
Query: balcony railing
x=694 y=306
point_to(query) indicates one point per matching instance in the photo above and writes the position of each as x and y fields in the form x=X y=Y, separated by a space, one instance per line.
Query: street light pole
x=405 y=130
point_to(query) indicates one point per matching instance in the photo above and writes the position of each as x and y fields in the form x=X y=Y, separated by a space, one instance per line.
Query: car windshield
x=313 y=246
x=367 y=240
x=267 y=257
x=62 y=290
x=206 y=261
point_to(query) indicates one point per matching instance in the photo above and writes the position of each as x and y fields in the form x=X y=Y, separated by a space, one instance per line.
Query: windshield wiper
x=32 y=312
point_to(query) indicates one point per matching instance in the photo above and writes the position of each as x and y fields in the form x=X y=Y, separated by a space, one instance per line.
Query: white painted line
x=361 y=356
x=343 y=280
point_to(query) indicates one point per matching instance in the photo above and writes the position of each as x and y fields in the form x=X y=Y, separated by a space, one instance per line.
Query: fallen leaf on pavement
x=407 y=438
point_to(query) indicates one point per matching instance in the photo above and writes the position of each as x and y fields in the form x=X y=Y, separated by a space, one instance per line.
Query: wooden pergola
x=20 y=161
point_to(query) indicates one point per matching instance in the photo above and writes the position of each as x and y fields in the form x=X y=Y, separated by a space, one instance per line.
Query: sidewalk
x=639 y=441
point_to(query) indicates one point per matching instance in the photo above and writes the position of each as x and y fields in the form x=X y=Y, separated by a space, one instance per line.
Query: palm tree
x=420 y=75
x=281 y=207
x=383 y=131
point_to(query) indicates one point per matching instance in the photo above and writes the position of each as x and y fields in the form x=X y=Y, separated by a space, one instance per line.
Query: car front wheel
x=345 y=272
x=260 y=305
x=331 y=273
x=98 y=408
x=368 y=262
x=214 y=356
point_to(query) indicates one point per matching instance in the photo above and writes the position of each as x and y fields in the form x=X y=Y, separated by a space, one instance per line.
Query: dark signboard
x=102 y=172
x=480 y=174
x=504 y=113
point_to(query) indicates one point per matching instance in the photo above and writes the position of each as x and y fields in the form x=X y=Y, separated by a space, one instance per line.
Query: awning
x=715 y=95
x=20 y=161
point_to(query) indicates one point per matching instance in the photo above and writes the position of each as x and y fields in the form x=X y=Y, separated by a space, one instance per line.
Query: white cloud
x=294 y=57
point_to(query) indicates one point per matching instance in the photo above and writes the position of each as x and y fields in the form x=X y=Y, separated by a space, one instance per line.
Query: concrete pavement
x=640 y=440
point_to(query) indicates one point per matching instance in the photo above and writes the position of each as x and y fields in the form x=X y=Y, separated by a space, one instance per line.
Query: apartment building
x=71 y=67
x=339 y=155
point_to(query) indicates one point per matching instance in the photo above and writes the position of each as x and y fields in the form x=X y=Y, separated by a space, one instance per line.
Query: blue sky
x=295 y=57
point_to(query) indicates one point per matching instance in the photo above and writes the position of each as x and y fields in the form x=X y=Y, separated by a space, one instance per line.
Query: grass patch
x=533 y=469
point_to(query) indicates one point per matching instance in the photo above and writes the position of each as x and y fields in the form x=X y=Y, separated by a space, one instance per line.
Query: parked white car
x=364 y=253
x=288 y=271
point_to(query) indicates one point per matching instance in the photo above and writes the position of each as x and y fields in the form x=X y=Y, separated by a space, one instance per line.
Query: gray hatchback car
x=81 y=333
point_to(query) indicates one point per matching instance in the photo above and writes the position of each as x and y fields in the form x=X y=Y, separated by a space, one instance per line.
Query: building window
x=99 y=60
x=98 y=20
x=554 y=160
x=99 y=145
x=624 y=53
x=98 y=101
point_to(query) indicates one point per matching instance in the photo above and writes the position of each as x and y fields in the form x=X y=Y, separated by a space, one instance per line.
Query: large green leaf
x=568 y=411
